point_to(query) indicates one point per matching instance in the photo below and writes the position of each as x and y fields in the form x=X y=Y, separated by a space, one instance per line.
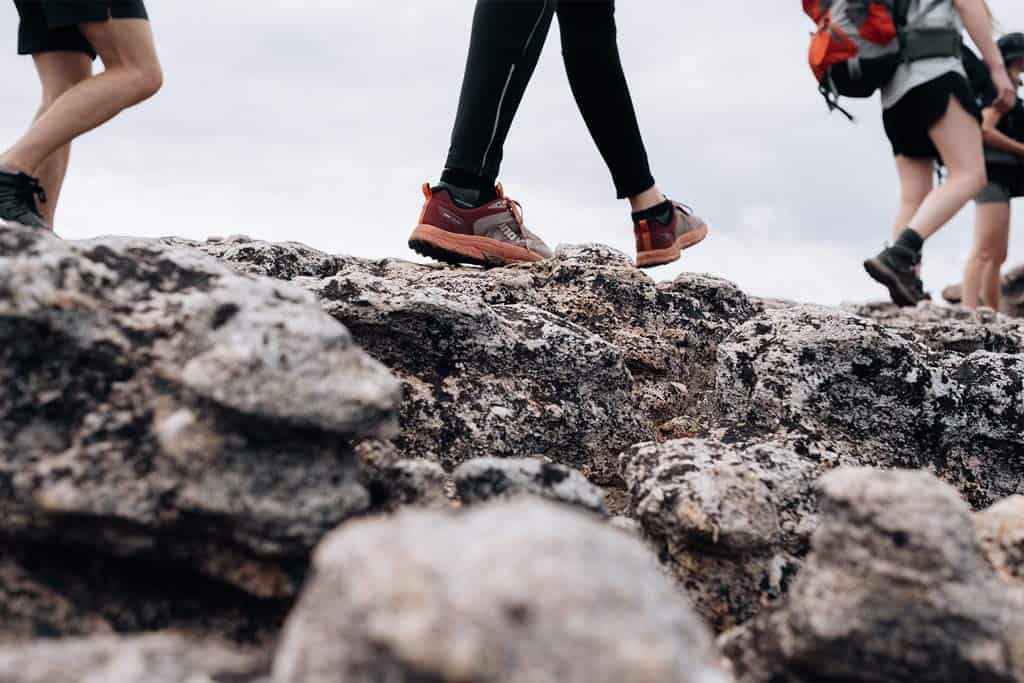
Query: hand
x=1006 y=94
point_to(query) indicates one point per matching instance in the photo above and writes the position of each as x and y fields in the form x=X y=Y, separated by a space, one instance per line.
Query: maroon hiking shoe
x=658 y=243
x=490 y=235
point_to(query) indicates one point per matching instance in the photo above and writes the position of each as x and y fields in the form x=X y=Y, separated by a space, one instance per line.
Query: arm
x=995 y=138
x=979 y=26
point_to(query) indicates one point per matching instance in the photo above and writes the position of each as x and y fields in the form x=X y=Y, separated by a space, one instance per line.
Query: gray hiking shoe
x=18 y=193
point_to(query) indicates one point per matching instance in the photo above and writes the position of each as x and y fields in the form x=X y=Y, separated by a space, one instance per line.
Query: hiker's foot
x=18 y=193
x=489 y=235
x=895 y=267
x=663 y=233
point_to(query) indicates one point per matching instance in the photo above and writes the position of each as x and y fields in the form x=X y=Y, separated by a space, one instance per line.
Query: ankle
x=647 y=199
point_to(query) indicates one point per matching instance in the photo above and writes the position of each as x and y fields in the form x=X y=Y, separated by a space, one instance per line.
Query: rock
x=895 y=589
x=52 y=591
x=983 y=445
x=1012 y=301
x=550 y=359
x=509 y=380
x=155 y=403
x=1001 y=531
x=949 y=330
x=486 y=479
x=283 y=260
x=161 y=658
x=875 y=396
x=519 y=592
x=30 y=609
x=730 y=523
x=394 y=482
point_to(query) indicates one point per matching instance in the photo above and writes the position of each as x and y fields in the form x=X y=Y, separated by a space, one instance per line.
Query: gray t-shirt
x=910 y=76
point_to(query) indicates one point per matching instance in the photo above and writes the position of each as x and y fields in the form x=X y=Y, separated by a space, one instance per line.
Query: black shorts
x=907 y=123
x=52 y=25
x=1005 y=182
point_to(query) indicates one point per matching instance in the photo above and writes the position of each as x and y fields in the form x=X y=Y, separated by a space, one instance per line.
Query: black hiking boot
x=895 y=268
x=18 y=194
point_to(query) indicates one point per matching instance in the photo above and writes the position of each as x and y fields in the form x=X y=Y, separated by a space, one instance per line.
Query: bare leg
x=132 y=75
x=916 y=182
x=957 y=136
x=58 y=73
x=991 y=240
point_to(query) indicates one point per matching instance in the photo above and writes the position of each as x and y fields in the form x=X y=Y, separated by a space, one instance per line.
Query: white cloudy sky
x=318 y=120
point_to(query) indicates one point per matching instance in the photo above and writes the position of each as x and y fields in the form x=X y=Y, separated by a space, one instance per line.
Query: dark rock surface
x=524 y=592
x=896 y=589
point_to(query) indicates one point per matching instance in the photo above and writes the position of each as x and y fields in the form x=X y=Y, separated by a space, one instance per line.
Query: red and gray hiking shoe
x=490 y=235
x=661 y=241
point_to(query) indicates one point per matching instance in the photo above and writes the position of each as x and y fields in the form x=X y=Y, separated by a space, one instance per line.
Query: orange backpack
x=859 y=44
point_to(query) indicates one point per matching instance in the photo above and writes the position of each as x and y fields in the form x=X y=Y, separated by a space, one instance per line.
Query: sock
x=662 y=213
x=909 y=239
x=468 y=188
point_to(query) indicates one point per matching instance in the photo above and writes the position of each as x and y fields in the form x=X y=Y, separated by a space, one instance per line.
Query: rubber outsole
x=885 y=276
x=663 y=257
x=455 y=249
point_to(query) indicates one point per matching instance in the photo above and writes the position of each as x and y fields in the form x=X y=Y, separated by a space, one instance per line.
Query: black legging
x=508 y=36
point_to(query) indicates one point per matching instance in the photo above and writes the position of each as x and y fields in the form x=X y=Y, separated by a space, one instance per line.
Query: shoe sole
x=661 y=257
x=455 y=249
x=886 y=276
x=17 y=226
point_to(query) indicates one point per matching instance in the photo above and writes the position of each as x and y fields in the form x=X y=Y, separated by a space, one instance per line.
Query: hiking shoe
x=18 y=193
x=490 y=235
x=895 y=268
x=662 y=241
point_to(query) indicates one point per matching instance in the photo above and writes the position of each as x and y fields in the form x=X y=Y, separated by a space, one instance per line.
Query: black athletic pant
x=508 y=36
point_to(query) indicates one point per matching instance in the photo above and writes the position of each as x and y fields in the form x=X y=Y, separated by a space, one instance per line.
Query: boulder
x=487 y=479
x=874 y=395
x=730 y=523
x=155 y=403
x=523 y=591
x=896 y=588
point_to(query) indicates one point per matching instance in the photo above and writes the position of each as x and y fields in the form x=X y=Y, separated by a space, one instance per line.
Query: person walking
x=1003 y=134
x=467 y=218
x=930 y=115
x=64 y=37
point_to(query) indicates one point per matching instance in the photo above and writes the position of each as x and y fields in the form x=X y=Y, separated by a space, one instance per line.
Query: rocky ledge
x=241 y=461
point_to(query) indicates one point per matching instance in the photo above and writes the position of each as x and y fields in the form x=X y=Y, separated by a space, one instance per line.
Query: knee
x=975 y=181
x=146 y=80
x=991 y=254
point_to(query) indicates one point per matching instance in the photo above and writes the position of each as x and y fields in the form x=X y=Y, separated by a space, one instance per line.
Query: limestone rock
x=155 y=403
x=162 y=658
x=486 y=479
x=896 y=589
x=730 y=523
x=521 y=592
x=876 y=396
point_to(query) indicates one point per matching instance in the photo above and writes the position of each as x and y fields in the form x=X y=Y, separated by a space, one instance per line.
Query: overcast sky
x=317 y=121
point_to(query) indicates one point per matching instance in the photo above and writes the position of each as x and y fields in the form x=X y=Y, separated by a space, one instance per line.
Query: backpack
x=859 y=44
